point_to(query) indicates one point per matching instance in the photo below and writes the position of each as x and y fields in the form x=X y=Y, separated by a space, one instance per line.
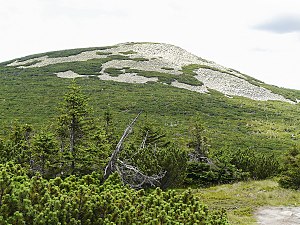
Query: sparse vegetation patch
x=130 y=52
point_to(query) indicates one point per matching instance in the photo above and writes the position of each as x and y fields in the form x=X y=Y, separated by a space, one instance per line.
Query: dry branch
x=129 y=174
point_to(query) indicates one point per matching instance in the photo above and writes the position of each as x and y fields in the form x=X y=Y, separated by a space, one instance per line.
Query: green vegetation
x=72 y=155
x=78 y=144
x=128 y=52
x=189 y=80
x=167 y=68
x=103 y=53
x=189 y=69
x=56 y=54
x=242 y=199
x=114 y=71
x=85 y=200
x=162 y=77
x=293 y=95
x=77 y=51
x=62 y=160
x=139 y=59
x=166 y=77
x=291 y=169
x=31 y=95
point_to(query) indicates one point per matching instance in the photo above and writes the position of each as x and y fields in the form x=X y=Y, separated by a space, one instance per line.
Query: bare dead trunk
x=129 y=174
x=111 y=166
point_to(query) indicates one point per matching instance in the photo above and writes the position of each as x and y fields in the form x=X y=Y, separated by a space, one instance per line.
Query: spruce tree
x=45 y=154
x=73 y=125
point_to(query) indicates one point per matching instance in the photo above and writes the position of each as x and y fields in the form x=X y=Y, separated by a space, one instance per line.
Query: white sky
x=258 y=37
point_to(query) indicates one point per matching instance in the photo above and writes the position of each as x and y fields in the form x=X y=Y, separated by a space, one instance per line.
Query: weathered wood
x=111 y=166
x=129 y=174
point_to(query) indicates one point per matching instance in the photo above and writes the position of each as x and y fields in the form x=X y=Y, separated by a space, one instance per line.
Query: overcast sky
x=258 y=37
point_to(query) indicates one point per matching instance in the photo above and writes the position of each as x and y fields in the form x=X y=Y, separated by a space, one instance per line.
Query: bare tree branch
x=129 y=174
x=135 y=178
x=110 y=168
x=143 y=144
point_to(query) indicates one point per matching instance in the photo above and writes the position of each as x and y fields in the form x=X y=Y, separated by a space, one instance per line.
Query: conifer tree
x=45 y=154
x=18 y=145
x=73 y=124
x=291 y=169
x=198 y=142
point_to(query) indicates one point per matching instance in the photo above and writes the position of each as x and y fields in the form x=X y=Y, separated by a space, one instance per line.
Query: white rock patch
x=168 y=56
x=167 y=52
x=128 y=78
x=231 y=85
x=151 y=65
x=45 y=60
x=278 y=216
x=124 y=78
x=69 y=74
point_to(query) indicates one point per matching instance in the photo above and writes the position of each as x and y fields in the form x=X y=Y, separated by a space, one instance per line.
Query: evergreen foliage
x=224 y=165
x=45 y=154
x=291 y=169
x=17 y=147
x=73 y=124
x=198 y=141
x=259 y=165
x=152 y=152
x=84 y=145
x=84 y=200
x=56 y=175
x=202 y=174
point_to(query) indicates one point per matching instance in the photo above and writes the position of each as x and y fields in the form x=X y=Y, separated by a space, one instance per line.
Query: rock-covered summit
x=156 y=62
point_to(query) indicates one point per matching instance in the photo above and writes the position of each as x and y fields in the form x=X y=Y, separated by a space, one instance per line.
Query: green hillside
x=201 y=125
x=31 y=94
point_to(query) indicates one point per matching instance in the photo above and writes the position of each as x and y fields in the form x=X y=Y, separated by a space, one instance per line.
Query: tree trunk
x=111 y=166
x=72 y=144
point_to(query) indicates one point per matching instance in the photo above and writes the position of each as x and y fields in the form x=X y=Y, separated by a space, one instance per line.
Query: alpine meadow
x=142 y=133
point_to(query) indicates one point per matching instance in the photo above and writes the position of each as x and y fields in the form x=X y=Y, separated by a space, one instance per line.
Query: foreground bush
x=202 y=174
x=85 y=200
x=291 y=170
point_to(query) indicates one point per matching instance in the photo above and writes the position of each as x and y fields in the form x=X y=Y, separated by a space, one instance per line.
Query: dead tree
x=129 y=174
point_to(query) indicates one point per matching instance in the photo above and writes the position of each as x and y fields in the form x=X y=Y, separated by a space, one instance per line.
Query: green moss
x=191 y=80
x=140 y=59
x=103 y=53
x=162 y=77
x=130 y=52
x=119 y=57
x=189 y=69
x=113 y=71
x=167 y=68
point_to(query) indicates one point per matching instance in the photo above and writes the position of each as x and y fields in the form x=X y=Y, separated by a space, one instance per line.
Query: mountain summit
x=151 y=62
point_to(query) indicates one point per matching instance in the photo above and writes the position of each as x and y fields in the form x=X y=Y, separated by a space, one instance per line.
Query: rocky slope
x=165 y=60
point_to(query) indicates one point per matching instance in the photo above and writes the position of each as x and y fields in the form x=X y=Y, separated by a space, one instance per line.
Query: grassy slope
x=242 y=199
x=32 y=95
